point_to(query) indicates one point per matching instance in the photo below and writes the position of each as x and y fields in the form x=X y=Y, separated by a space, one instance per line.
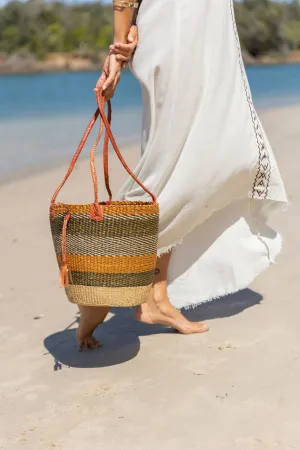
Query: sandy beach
x=146 y=388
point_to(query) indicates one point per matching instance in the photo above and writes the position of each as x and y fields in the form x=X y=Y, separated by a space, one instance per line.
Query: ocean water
x=43 y=116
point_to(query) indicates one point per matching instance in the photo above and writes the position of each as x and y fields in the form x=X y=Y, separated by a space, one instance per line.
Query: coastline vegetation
x=39 y=34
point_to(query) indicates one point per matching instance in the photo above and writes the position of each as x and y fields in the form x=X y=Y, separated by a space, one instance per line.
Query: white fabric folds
x=204 y=152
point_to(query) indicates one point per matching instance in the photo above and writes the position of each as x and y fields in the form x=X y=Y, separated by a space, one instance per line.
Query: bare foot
x=88 y=343
x=90 y=318
x=158 y=310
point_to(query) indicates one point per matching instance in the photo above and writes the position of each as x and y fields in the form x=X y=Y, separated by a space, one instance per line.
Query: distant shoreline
x=60 y=62
x=54 y=62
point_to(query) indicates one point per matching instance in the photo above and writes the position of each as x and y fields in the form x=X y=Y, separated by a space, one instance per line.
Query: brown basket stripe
x=110 y=264
x=111 y=226
x=107 y=296
x=107 y=246
x=112 y=280
x=119 y=208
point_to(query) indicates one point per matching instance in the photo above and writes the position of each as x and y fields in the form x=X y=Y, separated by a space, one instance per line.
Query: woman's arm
x=125 y=51
x=123 y=18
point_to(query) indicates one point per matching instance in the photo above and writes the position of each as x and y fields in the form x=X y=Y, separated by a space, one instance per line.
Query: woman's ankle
x=159 y=297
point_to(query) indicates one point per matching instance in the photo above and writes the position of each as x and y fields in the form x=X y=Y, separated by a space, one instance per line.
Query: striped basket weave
x=106 y=251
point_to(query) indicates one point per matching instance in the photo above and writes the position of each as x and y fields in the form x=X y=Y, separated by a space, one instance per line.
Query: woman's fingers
x=101 y=81
x=124 y=59
x=110 y=90
x=125 y=49
x=121 y=55
x=118 y=52
x=109 y=79
x=116 y=81
x=126 y=53
x=114 y=72
x=109 y=86
x=133 y=34
x=104 y=74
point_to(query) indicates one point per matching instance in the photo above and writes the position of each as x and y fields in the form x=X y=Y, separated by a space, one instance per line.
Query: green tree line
x=40 y=27
x=267 y=26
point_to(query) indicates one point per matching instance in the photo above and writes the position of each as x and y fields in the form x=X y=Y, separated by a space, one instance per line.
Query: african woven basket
x=106 y=251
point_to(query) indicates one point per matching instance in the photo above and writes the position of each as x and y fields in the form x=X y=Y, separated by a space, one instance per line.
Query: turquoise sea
x=43 y=116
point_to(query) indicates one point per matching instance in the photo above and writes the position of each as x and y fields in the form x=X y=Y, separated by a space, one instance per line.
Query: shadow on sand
x=120 y=334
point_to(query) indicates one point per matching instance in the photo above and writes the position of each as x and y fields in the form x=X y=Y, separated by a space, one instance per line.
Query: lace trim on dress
x=261 y=182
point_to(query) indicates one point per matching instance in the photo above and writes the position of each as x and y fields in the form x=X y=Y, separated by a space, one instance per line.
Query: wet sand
x=234 y=388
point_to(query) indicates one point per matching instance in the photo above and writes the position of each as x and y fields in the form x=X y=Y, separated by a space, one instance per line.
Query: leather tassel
x=64 y=276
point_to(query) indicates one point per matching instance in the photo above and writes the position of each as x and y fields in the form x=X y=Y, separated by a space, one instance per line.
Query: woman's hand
x=110 y=76
x=119 y=55
x=114 y=68
x=125 y=52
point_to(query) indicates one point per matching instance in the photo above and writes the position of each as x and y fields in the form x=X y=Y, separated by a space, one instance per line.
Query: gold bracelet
x=124 y=4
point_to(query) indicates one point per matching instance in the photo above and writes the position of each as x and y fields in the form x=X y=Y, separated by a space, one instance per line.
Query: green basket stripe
x=107 y=246
x=111 y=226
x=113 y=280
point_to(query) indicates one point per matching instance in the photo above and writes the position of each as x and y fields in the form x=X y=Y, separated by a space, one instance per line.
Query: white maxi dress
x=204 y=152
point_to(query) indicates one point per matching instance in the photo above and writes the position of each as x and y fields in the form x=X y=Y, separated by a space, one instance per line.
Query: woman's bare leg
x=158 y=309
x=90 y=318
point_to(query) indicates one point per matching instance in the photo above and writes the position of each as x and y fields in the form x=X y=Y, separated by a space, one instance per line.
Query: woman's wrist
x=120 y=38
x=123 y=18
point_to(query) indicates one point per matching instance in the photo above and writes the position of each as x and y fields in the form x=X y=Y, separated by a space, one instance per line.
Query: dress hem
x=269 y=260
x=230 y=291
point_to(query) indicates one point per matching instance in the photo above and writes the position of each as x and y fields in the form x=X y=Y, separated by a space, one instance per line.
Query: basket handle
x=97 y=209
x=109 y=136
x=76 y=156
x=105 y=156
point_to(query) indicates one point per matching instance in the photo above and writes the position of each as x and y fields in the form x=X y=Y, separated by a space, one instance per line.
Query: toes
x=80 y=343
x=93 y=343
x=88 y=343
x=203 y=327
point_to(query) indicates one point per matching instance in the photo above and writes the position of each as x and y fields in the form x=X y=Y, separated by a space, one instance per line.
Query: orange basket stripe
x=117 y=208
x=110 y=264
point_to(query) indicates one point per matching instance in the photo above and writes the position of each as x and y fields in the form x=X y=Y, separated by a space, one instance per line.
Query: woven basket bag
x=106 y=251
